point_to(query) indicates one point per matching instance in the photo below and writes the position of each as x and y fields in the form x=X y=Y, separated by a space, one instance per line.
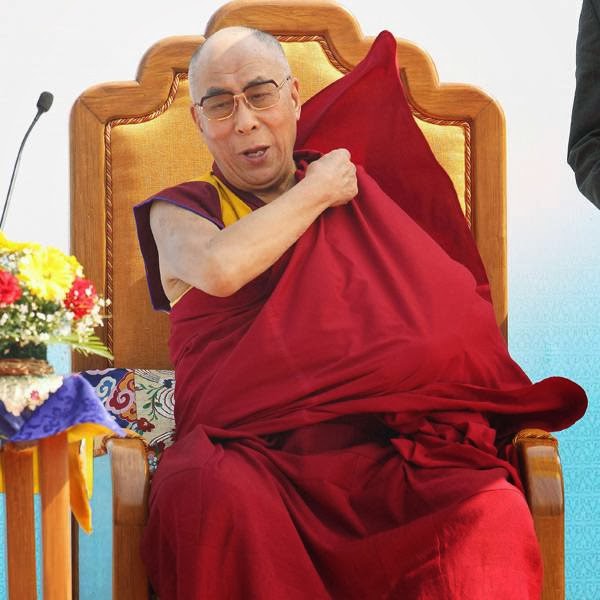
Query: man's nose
x=244 y=116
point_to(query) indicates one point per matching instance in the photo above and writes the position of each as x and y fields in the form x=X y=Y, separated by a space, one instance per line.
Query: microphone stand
x=43 y=105
x=14 y=173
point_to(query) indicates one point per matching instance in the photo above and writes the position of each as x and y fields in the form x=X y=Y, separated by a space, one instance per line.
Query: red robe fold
x=341 y=419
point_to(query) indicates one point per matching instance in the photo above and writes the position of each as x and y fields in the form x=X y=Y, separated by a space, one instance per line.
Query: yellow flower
x=48 y=273
x=10 y=246
x=77 y=268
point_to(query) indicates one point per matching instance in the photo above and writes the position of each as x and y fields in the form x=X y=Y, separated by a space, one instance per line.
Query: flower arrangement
x=45 y=299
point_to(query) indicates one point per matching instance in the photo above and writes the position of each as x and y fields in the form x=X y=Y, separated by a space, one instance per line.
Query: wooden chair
x=129 y=140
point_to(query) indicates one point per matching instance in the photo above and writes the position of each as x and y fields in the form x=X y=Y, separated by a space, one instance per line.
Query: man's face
x=252 y=148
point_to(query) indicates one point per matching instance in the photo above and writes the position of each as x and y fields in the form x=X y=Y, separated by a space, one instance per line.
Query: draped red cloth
x=342 y=419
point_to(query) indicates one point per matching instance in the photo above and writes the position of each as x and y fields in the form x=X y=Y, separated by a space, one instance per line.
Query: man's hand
x=334 y=176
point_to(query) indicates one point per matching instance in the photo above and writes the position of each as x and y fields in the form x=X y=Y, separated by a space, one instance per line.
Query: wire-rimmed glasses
x=258 y=96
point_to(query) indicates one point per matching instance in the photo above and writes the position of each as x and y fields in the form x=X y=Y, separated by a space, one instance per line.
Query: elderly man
x=344 y=395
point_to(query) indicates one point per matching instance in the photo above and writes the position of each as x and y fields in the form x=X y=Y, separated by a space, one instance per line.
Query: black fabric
x=584 y=139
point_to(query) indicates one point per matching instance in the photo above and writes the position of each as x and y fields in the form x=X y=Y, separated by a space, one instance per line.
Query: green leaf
x=91 y=345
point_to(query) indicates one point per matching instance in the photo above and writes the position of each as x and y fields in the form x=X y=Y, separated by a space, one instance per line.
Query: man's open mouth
x=255 y=152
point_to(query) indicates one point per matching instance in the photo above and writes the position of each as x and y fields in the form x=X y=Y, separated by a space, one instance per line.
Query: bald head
x=225 y=41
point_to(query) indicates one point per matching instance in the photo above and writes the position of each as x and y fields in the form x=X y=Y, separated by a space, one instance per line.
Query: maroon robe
x=342 y=419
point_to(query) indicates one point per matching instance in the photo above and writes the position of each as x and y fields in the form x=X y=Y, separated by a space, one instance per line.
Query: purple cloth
x=9 y=423
x=73 y=403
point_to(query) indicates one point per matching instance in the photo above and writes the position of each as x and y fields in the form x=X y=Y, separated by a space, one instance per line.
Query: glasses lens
x=262 y=95
x=218 y=107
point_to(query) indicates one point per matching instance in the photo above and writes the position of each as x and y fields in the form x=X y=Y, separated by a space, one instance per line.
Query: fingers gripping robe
x=335 y=176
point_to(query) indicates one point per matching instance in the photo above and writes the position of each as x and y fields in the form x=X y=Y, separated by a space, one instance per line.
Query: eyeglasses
x=258 y=96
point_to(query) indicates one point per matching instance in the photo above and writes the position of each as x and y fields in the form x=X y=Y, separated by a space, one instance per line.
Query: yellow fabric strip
x=81 y=470
x=78 y=489
x=180 y=297
x=233 y=208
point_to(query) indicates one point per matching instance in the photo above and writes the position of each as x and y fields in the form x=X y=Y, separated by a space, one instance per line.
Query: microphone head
x=45 y=102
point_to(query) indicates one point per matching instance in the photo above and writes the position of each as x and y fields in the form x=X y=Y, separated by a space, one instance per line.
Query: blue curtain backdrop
x=554 y=328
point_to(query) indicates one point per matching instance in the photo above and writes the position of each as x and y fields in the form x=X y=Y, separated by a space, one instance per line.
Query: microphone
x=43 y=105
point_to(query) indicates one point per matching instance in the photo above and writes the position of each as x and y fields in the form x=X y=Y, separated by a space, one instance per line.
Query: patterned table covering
x=75 y=409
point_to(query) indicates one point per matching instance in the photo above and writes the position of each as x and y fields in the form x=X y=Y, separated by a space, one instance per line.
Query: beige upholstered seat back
x=130 y=140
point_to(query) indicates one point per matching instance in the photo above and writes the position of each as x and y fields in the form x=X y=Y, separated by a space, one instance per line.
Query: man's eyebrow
x=215 y=91
x=255 y=81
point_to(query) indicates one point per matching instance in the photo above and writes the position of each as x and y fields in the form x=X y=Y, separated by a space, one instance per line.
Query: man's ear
x=196 y=118
x=295 y=89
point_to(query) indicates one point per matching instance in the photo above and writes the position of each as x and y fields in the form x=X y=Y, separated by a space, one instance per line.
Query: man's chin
x=265 y=183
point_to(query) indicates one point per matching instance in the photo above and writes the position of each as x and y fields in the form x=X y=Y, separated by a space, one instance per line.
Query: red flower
x=81 y=298
x=10 y=291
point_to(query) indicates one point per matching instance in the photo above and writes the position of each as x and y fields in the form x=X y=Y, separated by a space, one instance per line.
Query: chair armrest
x=130 y=482
x=542 y=477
